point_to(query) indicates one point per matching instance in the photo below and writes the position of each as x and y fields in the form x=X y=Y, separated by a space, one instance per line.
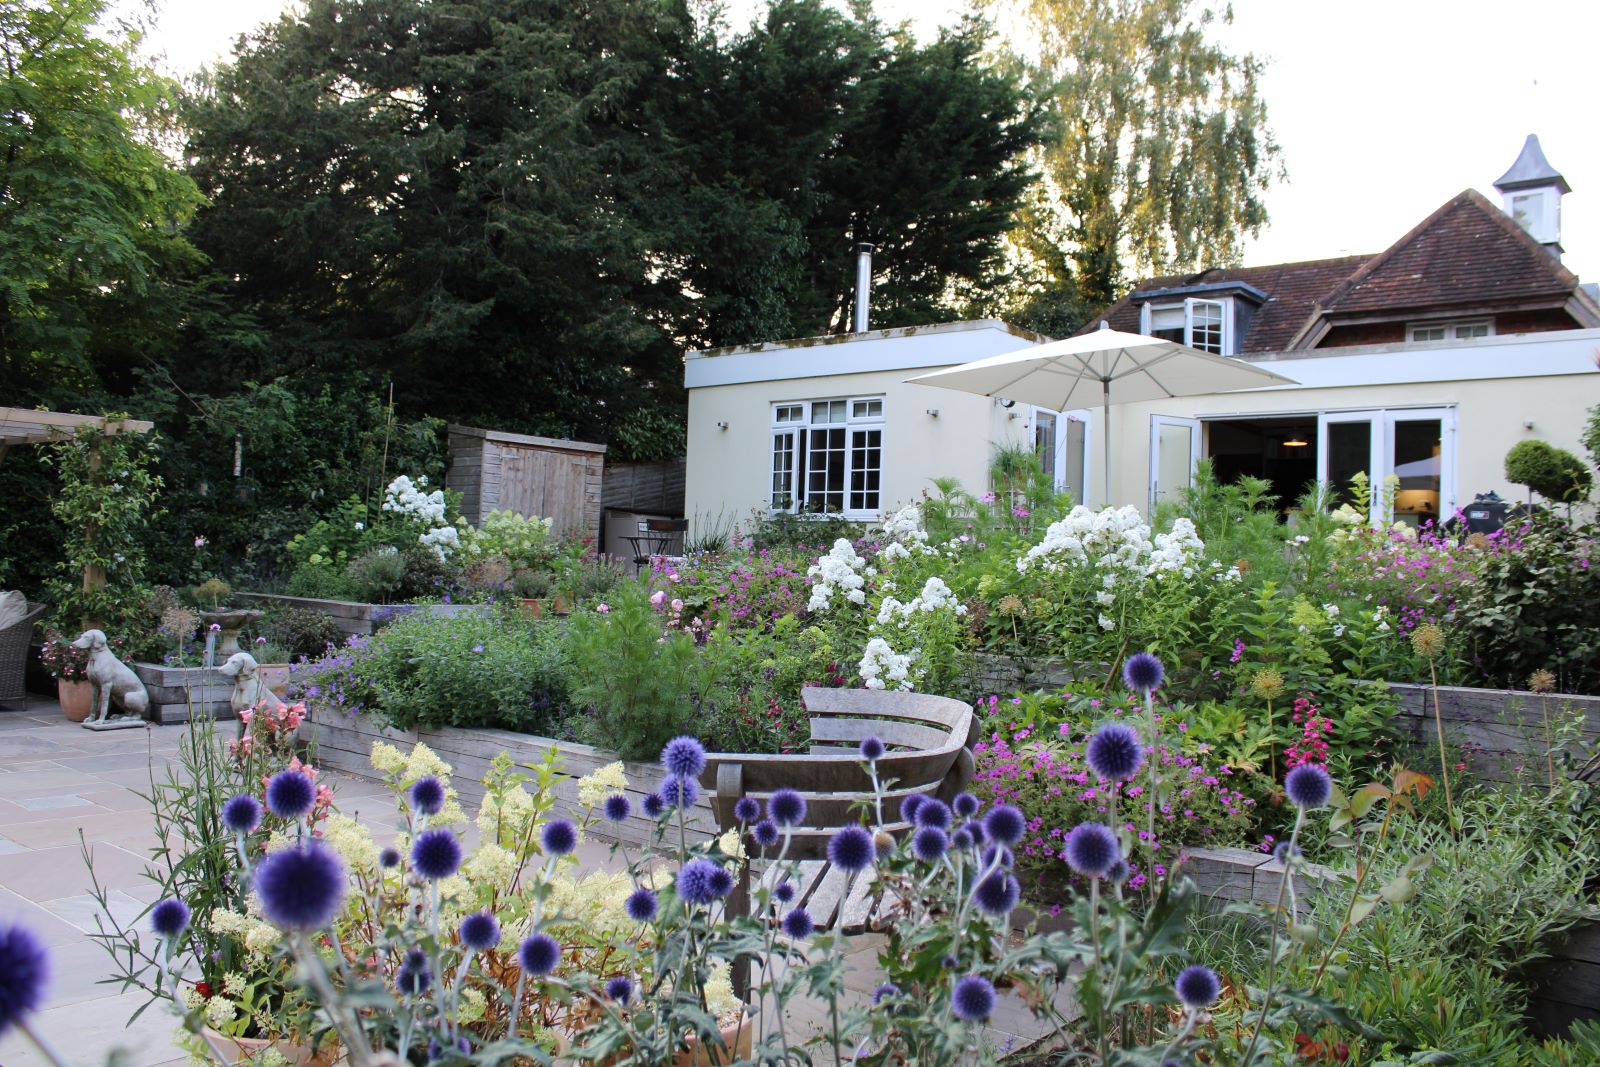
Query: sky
x=1383 y=109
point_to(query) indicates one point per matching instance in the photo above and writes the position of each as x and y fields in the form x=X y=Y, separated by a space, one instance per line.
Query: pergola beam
x=24 y=426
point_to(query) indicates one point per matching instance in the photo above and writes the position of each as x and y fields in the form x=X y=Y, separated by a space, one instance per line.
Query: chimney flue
x=863 y=285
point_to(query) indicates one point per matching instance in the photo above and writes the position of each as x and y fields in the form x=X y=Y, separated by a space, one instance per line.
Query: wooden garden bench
x=928 y=741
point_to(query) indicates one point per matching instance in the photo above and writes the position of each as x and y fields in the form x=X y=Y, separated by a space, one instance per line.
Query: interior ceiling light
x=1294 y=442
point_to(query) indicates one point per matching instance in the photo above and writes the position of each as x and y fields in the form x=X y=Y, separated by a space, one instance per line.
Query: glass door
x=1413 y=447
x=1061 y=439
x=1349 y=443
x=1174 y=450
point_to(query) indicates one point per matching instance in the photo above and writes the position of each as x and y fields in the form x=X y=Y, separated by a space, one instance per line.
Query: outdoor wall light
x=933 y=413
x=722 y=426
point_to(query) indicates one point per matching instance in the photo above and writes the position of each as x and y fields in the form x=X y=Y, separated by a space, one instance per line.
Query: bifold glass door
x=1061 y=440
x=1174 y=450
x=1415 y=447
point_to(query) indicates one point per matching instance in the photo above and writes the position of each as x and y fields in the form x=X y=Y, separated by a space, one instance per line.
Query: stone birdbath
x=228 y=621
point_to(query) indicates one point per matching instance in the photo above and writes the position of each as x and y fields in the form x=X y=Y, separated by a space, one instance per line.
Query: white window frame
x=1083 y=415
x=1381 y=448
x=1224 y=303
x=1449 y=326
x=798 y=431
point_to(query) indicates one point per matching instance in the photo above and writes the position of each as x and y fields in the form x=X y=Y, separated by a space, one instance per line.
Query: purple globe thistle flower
x=746 y=809
x=765 y=832
x=975 y=828
x=786 y=807
x=413 y=982
x=1114 y=752
x=722 y=881
x=884 y=992
x=798 y=925
x=852 y=850
x=1091 y=849
x=619 y=989
x=414 y=958
x=241 y=814
x=909 y=806
x=872 y=750
x=783 y=892
x=169 y=918
x=24 y=973
x=1004 y=824
x=1308 y=786
x=698 y=882
x=929 y=844
x=640 y=905
x=997 y=894
x=480 y=931
x=973 y=998
x=389 y=857
x=933 y=813
x=1142 y=672
x=301 y=888
x=965 y=805
x=653 y=806
x=683 y=757
x=436 y=854
x=617 y=808
x=538 y=954
x=962 y=838
x=1283 y=850
x=997 y=856
x=1197 y=987
x=559 y=837
x=290 y=794
x=679 y=793
x=427 y=795
x=1118 y=872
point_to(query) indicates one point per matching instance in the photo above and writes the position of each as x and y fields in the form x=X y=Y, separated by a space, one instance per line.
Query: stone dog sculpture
x=249 y=690
x=111 y=679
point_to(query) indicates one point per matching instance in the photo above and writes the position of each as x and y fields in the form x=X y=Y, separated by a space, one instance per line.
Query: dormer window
x=1463 y=330
x=1203 y=324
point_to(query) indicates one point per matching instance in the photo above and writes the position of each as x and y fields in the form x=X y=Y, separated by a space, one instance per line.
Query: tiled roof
x=1292 y=291
x=1468 y=253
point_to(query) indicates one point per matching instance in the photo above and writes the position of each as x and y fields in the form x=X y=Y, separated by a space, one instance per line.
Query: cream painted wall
x=729 y=471
x=1489 y=419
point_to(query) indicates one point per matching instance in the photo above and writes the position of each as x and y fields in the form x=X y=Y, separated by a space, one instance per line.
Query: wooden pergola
x=25 y=426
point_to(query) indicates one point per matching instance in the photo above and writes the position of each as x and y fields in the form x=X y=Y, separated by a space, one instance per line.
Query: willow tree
x=1160 y=153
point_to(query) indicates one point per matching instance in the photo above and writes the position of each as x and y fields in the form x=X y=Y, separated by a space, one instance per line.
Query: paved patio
x=58 y=780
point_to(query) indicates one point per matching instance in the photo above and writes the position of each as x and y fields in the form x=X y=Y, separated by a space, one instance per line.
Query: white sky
x=1384 y=108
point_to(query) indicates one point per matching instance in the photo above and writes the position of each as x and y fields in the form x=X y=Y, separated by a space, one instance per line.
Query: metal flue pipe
x=863 y=285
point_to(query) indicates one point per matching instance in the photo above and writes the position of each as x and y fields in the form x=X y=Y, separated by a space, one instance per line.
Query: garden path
x=57 y=780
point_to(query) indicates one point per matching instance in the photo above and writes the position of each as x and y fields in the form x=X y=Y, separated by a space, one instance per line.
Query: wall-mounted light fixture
x=722 y=426
x=933 y=413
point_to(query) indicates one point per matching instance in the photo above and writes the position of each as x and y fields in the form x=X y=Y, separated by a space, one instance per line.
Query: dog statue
x=249 y=691
x=111 y=679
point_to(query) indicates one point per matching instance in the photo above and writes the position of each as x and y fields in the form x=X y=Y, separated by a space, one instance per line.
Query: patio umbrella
x=1077 y=371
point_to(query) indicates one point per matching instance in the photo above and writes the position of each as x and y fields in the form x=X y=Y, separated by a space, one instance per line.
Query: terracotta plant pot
x=275 y=676
x=737 y=1036
x=561 y=604
x=535 y=607
x=76 y=699
x=242 y=1051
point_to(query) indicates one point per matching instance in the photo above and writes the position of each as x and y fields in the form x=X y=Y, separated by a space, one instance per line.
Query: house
x=1426 y=361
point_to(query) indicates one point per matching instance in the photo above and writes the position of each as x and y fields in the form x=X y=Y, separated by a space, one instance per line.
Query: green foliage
x=1591 y=435
x=524 y=543
x=1549 y=471
x=1159 y=152
x=107 y=494
x=301 y=632
x=1532 y=607
x=474 y=667
x=377 y=574
x=782 y=530
x=637 y=678
x=92 y=261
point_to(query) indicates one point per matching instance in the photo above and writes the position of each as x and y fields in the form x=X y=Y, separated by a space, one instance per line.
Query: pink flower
x=602 y=608
x=658 y=597
x=677 y=605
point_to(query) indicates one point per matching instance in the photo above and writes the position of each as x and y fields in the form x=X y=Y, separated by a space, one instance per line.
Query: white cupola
x=1531 y=192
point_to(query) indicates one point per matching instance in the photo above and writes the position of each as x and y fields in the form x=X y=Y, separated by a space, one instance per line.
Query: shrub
x=1549 y=471
x=301 y=632
x=476 y=668
x=637 y=677
x=377 y=575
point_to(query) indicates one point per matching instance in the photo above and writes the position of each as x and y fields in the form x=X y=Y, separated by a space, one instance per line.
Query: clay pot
x=561 y=604
x=737 y=1036
x=275 y=676
x=77 y=699
x=246 y=1050
x=535 y=607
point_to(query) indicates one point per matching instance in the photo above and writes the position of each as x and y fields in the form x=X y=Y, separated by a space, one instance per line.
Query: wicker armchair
x=14 y=641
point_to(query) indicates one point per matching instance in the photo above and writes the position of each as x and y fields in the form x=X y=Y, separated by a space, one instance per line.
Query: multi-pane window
x=827 y=456
x=1451 y=331
x=1201 y=324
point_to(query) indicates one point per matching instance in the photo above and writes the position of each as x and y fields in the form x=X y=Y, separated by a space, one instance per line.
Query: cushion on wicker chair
x=13 y=607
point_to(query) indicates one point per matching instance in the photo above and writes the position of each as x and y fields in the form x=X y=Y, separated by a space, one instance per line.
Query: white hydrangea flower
x=594 y=788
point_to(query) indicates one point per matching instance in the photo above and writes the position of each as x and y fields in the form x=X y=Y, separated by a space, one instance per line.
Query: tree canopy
x=1159 y=153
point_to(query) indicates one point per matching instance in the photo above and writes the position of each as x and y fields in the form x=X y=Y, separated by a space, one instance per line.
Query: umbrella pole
x=1105 y=431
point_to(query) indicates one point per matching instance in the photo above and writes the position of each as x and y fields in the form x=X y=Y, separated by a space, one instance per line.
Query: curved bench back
x=927 y=741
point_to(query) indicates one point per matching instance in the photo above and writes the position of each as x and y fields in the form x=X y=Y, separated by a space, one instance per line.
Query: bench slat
x=843 y=773
x=907 y=734
x=858 y=905
x=828 y=894
x=894 y=704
